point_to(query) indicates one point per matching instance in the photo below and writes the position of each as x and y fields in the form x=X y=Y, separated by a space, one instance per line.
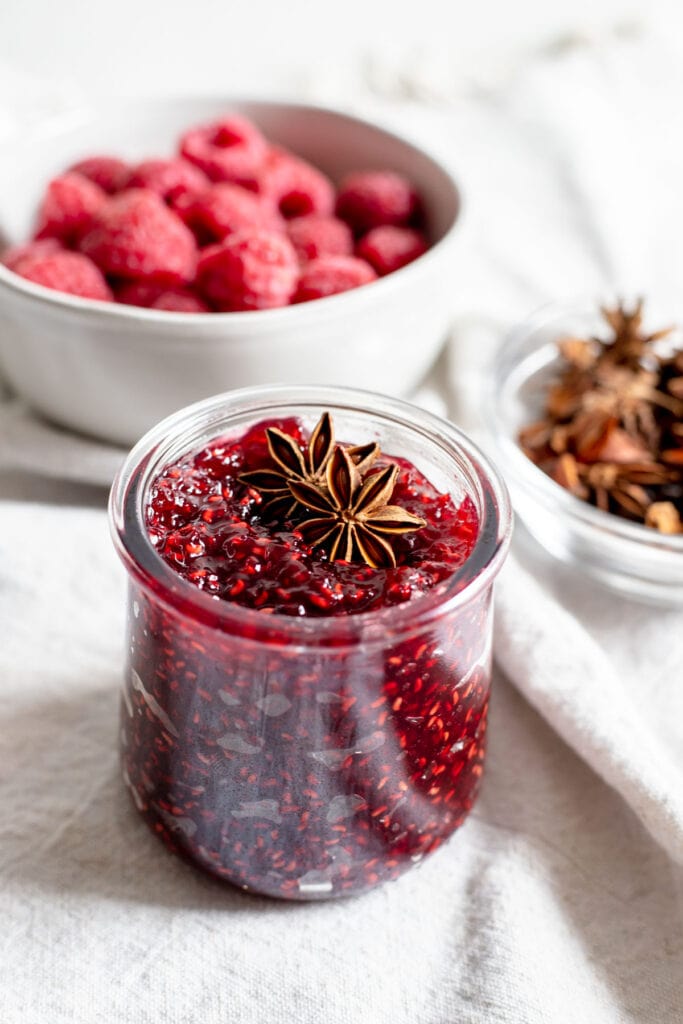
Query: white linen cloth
x=551 y=905
x=562 y=898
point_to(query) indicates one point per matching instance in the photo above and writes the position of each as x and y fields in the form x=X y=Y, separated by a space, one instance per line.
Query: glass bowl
x=306 y=758
x=627 y=557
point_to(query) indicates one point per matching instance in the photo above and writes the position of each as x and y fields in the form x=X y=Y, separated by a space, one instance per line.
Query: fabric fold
x=569 y=678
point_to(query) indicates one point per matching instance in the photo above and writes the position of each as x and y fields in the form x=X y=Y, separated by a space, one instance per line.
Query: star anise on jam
x=351 y=518
x=290 y=463
x=612 y=431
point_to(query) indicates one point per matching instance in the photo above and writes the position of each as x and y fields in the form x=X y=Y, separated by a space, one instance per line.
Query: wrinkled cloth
x=561 y=899
x=551 y=904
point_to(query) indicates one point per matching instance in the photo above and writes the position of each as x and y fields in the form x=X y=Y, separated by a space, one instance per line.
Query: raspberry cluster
x=231 y=223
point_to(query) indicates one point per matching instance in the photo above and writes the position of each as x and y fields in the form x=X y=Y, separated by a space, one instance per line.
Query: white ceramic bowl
x=112 y=371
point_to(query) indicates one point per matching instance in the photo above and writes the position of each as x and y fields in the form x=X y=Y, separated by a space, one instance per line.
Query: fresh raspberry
x=155 y=296
x=168 y=178
x=369 y=199
x=253 y=269
x=220 y=210
x=68 y=208
x=297 y=187
x=13 y=256
x=66 y=272
x=138 y=293
x=317 y=235
x=136 y=236
x=110 y=173
x=330 y=275
x=180 y=302
x=388 y=248
x=228 y=150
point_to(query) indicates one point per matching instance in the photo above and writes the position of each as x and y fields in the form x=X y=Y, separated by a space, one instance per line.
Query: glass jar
x=307 y=758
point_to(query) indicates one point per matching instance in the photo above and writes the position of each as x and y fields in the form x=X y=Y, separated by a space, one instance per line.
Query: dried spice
x=352 y=516
x=291 y=464
x=612 y=430
x=334 y=505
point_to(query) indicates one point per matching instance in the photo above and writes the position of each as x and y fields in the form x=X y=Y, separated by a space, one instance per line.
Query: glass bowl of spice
x=309 y=634
x=586 y=406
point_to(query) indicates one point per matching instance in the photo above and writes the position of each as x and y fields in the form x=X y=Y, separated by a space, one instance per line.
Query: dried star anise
x=629 y=344
x=334 y=504
x=352 y=518
x=612 y=432
x=292 y=464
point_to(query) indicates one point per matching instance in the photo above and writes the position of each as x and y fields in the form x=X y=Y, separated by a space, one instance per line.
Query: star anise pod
x=630 y=397
x=351 y=517
x=612 y=433
x=625 y=484
x=630 y=343
x=612 y=378
x=613 y=392
x=602 y=483
x=290 y=463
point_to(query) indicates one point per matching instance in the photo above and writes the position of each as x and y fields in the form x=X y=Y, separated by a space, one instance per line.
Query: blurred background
x=562 y=122
x=155 y=46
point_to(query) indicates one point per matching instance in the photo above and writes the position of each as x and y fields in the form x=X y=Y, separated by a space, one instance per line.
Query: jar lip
x=143 y=562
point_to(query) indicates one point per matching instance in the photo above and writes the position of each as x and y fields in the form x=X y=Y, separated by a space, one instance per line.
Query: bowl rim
x=522 y=470
x=329 y=305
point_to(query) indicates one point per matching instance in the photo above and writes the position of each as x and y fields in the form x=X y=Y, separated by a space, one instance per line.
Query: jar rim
x=131 y=486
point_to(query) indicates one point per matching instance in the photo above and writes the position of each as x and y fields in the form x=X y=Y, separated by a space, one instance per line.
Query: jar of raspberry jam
x=297 y=720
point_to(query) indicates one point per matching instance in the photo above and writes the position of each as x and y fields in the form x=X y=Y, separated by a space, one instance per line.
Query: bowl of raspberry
x=306 y=691
x=158 y=251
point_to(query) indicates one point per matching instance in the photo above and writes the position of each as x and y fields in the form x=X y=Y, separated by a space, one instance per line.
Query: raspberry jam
x=303 y=728
x=209 y=527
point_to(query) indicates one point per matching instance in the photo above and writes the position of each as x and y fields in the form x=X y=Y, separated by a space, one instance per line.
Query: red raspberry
x=155 y=296
x=181 y=302
x=138 y=293
x=253 y=269
x=13 y=256
x=369 y=199
x=110 y=173
x=228 y=150
x=168 y=178
x=330 y=275
x=68 y=208
x=137 y=236
x=317 y=235
x=220 y=210
x=297 y=187
x=66 y=272
x=388 y=248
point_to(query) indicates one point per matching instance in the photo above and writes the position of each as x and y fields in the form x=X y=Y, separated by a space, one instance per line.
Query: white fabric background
x=562 y=898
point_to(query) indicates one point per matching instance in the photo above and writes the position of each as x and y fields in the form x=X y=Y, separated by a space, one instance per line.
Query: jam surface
x=215 y=531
